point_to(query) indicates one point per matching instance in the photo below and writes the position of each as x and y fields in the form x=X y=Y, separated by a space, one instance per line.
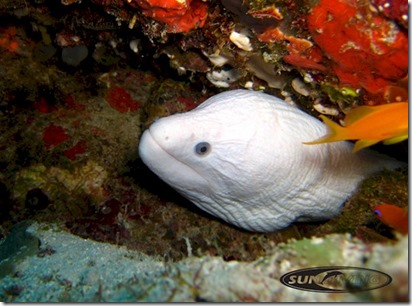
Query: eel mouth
x=170 y=169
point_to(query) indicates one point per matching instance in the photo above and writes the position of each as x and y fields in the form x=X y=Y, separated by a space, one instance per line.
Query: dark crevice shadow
x=399 y=151
x=146 y=179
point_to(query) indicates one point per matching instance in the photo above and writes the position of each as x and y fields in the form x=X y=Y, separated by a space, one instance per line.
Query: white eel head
x=240 y=156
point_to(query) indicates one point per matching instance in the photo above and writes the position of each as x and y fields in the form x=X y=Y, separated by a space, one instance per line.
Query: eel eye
x=202 y=148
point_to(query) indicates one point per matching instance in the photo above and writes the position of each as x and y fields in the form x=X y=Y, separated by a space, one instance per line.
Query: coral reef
x=360 y=46
x=81 y=80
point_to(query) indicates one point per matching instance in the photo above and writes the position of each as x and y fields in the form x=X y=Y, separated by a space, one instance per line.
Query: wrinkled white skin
x=257 y=174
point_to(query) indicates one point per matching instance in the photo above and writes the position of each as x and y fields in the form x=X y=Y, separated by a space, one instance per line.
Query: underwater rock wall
x=80 y=80
x=66 y=268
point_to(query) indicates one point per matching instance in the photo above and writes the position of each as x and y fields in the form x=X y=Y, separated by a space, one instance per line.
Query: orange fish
x=393 y=216
x=370 y=124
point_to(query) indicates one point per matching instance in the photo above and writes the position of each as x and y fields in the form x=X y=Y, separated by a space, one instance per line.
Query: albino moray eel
x=240 y=156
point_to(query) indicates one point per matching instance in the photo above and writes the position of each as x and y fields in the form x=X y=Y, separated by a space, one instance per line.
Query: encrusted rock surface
x=66 y=268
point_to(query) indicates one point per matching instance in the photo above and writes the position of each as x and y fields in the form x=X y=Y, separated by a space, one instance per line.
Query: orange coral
x=267 y=12
x=178 y=15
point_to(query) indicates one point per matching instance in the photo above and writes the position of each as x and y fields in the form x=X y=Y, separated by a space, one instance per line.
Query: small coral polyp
x=178 y=15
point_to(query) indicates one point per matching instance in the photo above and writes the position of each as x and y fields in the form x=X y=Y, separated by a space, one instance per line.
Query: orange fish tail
x=336 y=132
x=363 y=143
x=396 y=139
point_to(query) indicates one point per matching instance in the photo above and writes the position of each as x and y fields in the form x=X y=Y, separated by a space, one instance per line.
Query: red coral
x=302 y=53
x=120 y=100
x=187 y=102
x=8 y=39
x=43 y=106
x=53 y=135
x=73 y=104
x=76 y=150
x=394 y=9
x=178 y=15
x=303 y=62
x=366 y=50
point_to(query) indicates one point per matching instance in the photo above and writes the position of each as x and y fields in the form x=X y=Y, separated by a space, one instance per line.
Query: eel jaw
x=173 y=171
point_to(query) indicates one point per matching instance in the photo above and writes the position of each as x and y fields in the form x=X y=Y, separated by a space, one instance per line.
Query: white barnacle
x=326 y=110
x=217 y=58
x=223 y=78
x=241 y=41
x=300 y=87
